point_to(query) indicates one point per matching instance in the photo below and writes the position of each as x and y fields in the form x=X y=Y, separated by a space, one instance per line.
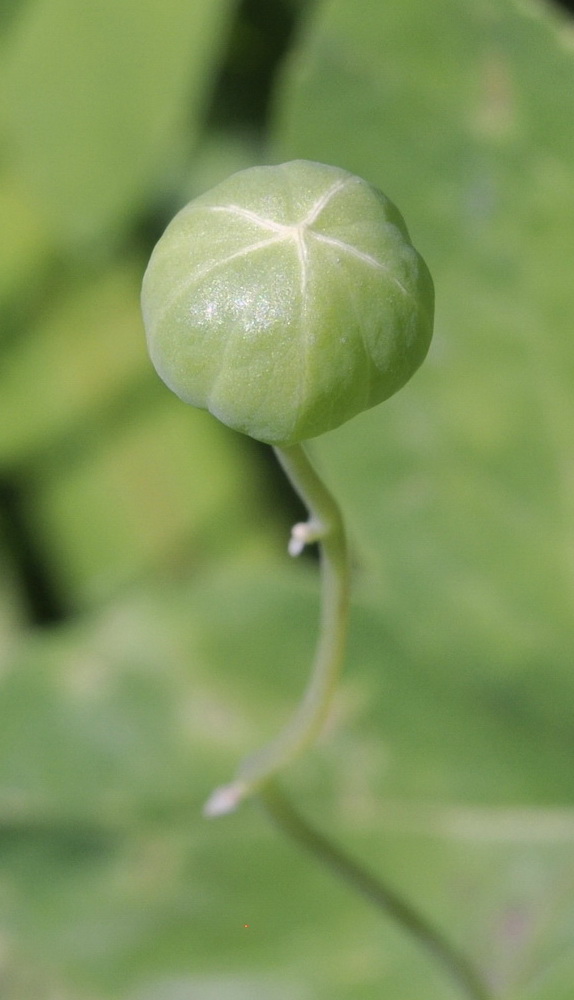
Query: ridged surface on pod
x=286 y=300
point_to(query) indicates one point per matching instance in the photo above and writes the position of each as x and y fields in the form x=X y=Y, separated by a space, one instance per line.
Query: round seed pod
x=286 y=300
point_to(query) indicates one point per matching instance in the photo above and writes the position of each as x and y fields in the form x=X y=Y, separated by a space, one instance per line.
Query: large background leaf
x=459 y=490
x=101 y=98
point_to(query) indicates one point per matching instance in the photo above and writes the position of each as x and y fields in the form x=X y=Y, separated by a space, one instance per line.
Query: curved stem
x=325 y=525
x=380 y=895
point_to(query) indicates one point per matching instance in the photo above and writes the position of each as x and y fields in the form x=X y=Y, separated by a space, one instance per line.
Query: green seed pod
x=286 y=300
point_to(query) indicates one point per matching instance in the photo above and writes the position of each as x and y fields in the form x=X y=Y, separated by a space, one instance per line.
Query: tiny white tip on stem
x=298 y=539
x=224 y=800
x=302 y=534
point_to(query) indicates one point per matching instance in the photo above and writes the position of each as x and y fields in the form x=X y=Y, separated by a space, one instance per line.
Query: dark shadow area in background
x=260 y=37
x=35 y=582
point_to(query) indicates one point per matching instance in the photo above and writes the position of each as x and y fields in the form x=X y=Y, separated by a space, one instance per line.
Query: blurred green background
x=152 y=628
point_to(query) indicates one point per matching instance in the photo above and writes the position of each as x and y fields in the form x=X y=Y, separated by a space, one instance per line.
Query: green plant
x=285 y=301
x=153 y=630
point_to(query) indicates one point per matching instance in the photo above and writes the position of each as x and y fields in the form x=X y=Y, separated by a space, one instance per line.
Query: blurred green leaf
x=85 y=352
x=24 y=241
x=166 y=489
x=112 y=735
x=108 y=458
x=555 y=982
x=459 y=491
x=104 y=100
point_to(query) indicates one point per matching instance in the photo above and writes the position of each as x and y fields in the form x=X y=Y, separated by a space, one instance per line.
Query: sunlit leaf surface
x=100 y=97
